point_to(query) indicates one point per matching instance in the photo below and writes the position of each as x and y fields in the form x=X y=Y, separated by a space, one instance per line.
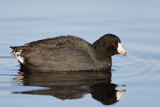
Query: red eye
x=113 y=43
x=111 y=99
x=119 y=42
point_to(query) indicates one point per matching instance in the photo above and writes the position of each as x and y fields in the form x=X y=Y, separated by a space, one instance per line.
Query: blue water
x=136 y=22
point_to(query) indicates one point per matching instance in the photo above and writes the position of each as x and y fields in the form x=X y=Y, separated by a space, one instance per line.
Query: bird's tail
x=14 y=50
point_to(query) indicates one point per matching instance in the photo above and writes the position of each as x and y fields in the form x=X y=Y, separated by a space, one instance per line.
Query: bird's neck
x=101 y=51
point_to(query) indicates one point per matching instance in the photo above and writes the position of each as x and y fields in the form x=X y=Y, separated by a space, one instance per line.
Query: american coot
x=68 y=53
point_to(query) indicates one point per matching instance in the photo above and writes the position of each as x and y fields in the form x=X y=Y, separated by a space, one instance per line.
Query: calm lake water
x=136 y=22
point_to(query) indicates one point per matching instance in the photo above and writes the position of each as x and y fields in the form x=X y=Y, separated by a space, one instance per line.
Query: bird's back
x=60 y=54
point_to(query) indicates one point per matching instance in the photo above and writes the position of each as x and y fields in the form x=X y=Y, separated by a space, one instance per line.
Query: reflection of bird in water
x=73 y=85
x=106 y=93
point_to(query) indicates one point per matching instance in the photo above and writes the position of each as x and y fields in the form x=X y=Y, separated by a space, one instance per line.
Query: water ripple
x=135 y=68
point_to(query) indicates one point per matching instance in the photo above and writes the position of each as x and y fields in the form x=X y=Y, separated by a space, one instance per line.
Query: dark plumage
x=68 y=53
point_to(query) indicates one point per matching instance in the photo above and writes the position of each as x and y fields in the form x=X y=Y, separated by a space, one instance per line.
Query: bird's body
x=64 y=53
